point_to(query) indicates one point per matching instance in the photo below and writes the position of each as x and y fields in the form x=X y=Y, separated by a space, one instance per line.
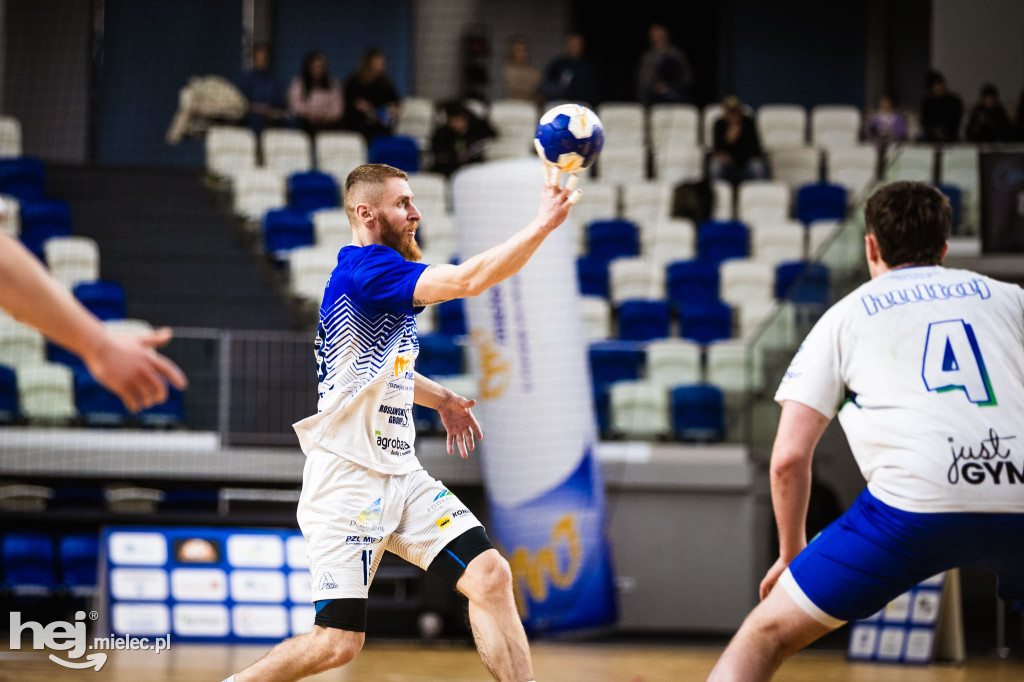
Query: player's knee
x=490 y=575
x=338 y=647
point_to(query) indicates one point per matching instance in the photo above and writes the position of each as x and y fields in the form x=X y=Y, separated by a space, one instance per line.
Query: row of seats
x=35 y=564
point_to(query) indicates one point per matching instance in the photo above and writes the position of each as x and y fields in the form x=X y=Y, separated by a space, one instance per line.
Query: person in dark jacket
x=941 y=111
x=737 y=153
x=460 y=140
x=571 y=77
x=371 y=100
x=262 y=88
x=988 y=121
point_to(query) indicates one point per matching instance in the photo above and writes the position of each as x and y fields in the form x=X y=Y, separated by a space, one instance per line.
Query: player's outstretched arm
x=456 y=413
x=440 y=283
x=128 y=366
x=800 y=428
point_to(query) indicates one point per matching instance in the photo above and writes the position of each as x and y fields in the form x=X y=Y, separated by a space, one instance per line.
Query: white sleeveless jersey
x=925 y=367
x=366 y=350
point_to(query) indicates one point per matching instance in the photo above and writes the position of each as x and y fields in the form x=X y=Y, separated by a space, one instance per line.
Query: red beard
x=399 y=239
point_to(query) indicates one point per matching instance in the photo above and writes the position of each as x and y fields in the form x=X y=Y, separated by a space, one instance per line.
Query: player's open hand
x=556 y=200
x=462 y=427
x=772 y=576
x=131 y=368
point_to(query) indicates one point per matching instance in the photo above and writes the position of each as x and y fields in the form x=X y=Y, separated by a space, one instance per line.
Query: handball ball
x=569 y=137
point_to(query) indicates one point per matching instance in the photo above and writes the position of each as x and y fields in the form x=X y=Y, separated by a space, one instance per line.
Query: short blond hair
x=366 y=183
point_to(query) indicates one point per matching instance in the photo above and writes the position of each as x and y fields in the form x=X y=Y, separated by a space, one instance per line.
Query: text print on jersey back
x=952 y=360
x=925 y=293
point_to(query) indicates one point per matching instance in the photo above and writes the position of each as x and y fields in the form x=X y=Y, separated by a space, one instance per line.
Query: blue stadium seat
x=80 y=497
x=426 y=419
x=97 y=405
x=705 y=322
x=79 y=555
x=592 y=274
x=451 y=318
x=802 y=282
x=641 y=320
x=169 y=413
x=612 y=361
x=311 y=191
x=55 y=353
x=394 y=150
x=692 y=281
x=190 y=500
x=439 y=356
x=956 y=202
x=23 y=178
x=698 y=413
x=29 y=563
x=719 y=240
x=41 y=220
x=105 y=299
x=285 y=229
x=9 y=411
x=820 y=202
x=609 y=239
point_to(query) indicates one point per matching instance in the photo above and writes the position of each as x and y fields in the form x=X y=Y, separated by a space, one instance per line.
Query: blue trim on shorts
x=874 y=552
x=455 y=557
x=320 y=604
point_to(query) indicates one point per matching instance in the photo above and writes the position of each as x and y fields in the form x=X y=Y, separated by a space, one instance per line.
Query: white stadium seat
x=309 y=268
x=20 y=345
x=674 y=362
x=763 y=201
x=723 y=200
x=416 y=120
x=796 y=166
x=635 y=278
x=128 y=327
x=916 y=163
x=670 y=240
x=782 y=125
x=623 y=165
x=743 y=281
x=639 y=409
x=678 y=163
x=286 y=151
x=709 y=117
x=774 y=243
x=600 y=201
x=230 y=150
x=780 y=334
x=646 y=203
x=258 y=190
x=818 y=233
x=835 y=126
x=429 y=189
x=596 y=314
x=72 y=259
x=514 y=119
x=46 y=392
x=852 y=167
x=10 y=136
x=674 y=125
x=728 y=369
x=11 y=226
x=338 y=152
x=331 y=228
x=623 y=124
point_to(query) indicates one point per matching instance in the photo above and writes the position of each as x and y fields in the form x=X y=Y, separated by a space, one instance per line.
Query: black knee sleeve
x=451 y=562
x=343 y=614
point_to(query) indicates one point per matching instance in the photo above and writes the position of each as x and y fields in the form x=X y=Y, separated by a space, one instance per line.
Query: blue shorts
x=873 y=553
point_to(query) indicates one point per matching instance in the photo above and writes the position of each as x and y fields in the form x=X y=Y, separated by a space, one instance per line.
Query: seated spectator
x=314 y=97
x=886 y=125
x=737 y=154
x=571 y=77
x=460 y=140
x=371 y=100
x=521 y=78
x=941 y=112
x=261 y=87
x=988 y=121
x=665 y=74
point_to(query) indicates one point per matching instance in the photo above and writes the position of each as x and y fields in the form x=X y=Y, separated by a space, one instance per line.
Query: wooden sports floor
x=575 y=662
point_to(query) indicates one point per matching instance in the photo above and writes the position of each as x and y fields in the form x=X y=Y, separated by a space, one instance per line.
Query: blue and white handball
x=569 y=137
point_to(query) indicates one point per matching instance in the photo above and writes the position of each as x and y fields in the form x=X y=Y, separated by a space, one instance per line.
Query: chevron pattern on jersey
x=360 y=346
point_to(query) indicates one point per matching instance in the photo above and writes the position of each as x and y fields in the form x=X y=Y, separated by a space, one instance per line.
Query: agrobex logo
x=71 y=637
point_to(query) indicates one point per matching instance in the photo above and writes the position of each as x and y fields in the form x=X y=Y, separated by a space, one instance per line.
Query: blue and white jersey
x=925 y=367
x=366 y=350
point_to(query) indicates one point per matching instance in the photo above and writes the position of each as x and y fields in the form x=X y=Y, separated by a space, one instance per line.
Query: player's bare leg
x=773 y=631
x=497 y=630
x=305 y=655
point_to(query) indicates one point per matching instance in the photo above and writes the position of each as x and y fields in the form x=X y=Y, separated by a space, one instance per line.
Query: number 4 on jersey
x=952 y=360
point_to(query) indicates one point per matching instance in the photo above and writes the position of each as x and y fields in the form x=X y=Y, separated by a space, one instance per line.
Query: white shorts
x=350 y=514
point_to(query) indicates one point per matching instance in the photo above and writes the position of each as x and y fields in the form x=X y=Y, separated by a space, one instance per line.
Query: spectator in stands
x=128 y=366
x=371 y=100
x=665 y=74
x=571 y=77
x=737 y=153
x=460 y=140
x=941 y=111
x=521 y=78
x=886 y=125
x=314 y=96
x=261 y=87
x=988 y=121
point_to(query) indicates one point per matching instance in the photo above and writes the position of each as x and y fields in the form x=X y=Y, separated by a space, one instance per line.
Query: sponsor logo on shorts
x=444 y=522
x=459 y=512
x=398 y=416
x=441 y=499
x=327 y=582
x=443 y=493
x=362 y=539
x=371 y=513
x=403 y=363
x=397 y=446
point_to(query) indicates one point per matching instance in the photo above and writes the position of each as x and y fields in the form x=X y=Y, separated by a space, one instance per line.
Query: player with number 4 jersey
x=924 y=367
